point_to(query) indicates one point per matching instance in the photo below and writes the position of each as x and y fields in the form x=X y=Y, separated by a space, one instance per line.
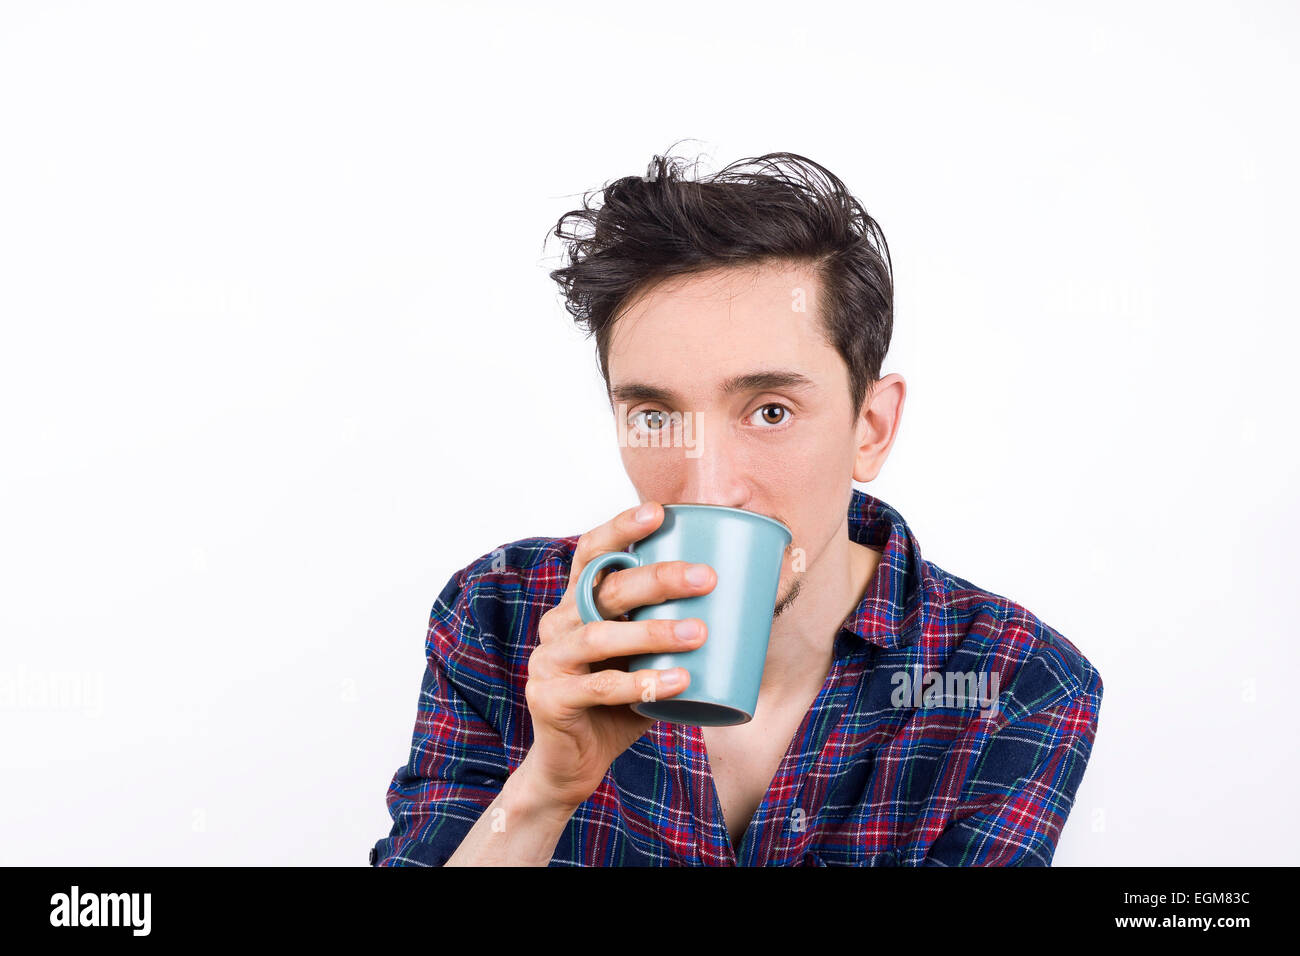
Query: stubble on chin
x=787 y=599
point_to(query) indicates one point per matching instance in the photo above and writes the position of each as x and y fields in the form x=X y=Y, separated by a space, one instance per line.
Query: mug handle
x=586 y=602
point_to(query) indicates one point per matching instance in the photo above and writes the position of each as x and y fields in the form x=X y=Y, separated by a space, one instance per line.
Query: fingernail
x=686 y=628
x=675 y=676
x=645 y=513
x=697 y=574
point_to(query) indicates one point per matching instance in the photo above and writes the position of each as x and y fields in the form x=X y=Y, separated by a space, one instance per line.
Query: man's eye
x=653 y=419
x=772 y=414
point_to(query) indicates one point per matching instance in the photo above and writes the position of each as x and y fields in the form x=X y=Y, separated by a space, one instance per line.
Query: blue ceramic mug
x=745 y=550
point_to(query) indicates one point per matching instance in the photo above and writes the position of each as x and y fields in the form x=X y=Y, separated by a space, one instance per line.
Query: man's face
x=785 y=447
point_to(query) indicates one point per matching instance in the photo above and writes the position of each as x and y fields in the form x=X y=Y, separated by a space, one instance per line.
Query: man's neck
x=802 y=645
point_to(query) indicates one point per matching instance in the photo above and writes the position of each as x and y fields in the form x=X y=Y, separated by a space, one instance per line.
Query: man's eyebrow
x=762 y=381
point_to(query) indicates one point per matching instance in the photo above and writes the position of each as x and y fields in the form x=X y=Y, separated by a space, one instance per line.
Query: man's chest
x=743 y=761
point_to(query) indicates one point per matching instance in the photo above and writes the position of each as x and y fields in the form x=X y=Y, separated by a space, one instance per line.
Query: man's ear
x=877 y=426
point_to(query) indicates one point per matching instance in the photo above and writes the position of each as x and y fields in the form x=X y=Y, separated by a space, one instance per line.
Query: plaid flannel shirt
x=891 y=766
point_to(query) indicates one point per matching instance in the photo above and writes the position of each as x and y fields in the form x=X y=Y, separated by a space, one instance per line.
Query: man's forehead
x=720 y=332
x=778 y=282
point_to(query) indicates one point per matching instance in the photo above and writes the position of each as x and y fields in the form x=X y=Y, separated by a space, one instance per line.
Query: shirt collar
x=895 y=606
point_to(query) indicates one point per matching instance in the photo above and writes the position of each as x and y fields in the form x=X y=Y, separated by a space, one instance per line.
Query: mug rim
x=740 y=511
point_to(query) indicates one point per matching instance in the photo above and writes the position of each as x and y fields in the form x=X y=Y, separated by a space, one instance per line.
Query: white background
x=280 y=354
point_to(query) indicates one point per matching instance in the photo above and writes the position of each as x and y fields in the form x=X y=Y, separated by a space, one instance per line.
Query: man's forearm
x=519 y=827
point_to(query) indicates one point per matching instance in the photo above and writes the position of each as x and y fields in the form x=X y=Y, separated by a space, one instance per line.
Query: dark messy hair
x=775 y=208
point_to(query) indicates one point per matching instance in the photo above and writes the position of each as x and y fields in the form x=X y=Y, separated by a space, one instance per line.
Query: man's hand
x=578 y=698
x=581 y=717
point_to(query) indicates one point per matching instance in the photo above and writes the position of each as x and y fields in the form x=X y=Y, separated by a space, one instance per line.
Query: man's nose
x=715 y=476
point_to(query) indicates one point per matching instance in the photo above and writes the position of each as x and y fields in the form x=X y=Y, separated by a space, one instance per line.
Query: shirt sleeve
x=458 y=761
x=1020 y=791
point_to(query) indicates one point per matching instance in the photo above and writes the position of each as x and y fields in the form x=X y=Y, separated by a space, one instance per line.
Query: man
x=906 y=716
